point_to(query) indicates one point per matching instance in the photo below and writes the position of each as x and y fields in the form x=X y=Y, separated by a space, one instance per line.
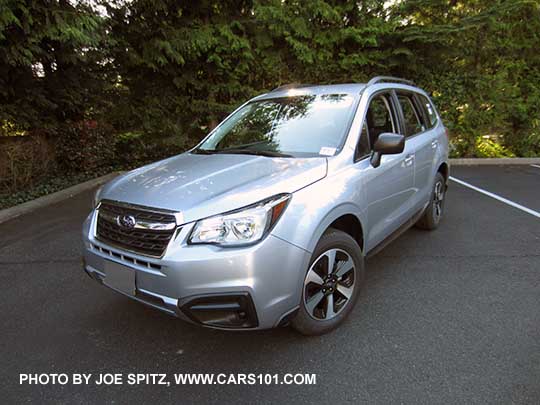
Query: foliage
x=480 y=59
x=51 y=66
x=175 y=69
x=156 y=75
x=530 y=144
x=23 y=162
x=84 y=144
x=488 y=148
x=50 y=184
x=183 y=68
x=133 y=149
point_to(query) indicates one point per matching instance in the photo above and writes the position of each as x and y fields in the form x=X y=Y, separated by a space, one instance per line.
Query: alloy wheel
x=329 y=284
x=438 y=200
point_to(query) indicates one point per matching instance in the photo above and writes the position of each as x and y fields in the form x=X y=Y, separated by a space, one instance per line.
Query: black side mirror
x=387 y=143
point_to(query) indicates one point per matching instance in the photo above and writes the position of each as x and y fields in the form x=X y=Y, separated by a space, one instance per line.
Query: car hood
x=199 y=186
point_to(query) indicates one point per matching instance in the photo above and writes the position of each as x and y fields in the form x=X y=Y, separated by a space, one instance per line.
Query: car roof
x=303 y=89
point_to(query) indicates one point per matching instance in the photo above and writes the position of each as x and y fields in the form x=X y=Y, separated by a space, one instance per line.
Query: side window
x=413 y=123
x=379 y=117
x=431 y=115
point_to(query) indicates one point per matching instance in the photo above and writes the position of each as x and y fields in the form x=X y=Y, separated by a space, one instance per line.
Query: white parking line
x=536 y=166
x=497 y=197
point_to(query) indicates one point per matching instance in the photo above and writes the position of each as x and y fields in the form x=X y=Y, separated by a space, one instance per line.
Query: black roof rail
x=379 y=79
x=291 y=86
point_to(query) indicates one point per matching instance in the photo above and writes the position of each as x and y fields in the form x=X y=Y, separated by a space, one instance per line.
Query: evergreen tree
x=50 y=61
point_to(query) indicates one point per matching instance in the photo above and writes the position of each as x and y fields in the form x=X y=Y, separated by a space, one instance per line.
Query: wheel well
x=443 y=169
x=351 y=225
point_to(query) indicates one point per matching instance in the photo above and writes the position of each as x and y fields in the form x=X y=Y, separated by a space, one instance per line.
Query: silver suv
x=268 y=220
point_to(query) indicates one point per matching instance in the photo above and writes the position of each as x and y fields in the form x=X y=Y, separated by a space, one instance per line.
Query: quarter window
x=413 y=123
x=362 y=150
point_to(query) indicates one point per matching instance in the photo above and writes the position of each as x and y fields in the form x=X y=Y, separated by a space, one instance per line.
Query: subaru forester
x=268 y=220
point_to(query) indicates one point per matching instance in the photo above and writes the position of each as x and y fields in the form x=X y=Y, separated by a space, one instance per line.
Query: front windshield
x=303 y=126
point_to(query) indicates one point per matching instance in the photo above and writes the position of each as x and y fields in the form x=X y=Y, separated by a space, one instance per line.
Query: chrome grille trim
x=149 y=234
x=141 y=223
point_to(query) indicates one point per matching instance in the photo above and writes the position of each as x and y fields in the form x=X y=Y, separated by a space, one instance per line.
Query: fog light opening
x=222 y=311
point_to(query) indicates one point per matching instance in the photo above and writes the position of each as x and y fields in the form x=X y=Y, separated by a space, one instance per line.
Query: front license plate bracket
x=119 y=277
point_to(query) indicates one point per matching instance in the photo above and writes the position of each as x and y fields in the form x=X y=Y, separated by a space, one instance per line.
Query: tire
x=432 y=216
x=342 y=284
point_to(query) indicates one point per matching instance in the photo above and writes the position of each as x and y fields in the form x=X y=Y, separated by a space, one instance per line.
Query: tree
x=51 y=66
x=480 y=58
x=180 y=67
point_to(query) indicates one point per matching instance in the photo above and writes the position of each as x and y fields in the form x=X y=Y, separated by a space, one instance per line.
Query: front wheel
x=433 y=214
x=331 y=285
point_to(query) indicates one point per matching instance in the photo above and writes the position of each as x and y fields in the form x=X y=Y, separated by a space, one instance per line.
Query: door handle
x=434 y=144
x=409 y=160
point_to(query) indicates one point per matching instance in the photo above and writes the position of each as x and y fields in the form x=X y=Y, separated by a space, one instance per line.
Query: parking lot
x=451 y=316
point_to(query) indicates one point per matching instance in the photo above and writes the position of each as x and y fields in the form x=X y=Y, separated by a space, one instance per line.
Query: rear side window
x=411 y=115
x=431 y=115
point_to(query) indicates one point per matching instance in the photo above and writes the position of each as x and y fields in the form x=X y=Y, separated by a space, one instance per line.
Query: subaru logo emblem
x=126 y=221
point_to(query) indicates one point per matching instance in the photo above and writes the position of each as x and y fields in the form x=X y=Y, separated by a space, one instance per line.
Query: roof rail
x=291 y=86
x=378 y=79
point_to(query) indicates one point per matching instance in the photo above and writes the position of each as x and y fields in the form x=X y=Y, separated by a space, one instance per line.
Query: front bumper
x=261 y=283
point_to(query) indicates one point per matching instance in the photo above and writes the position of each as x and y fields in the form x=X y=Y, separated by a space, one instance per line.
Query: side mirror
x=387 y=143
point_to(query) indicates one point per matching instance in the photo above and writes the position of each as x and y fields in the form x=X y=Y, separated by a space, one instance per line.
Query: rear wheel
x=331 y=285
x=433 y=214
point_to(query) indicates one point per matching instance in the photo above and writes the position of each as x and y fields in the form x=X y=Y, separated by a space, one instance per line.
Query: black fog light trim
x=223 y=311
x=287 y=318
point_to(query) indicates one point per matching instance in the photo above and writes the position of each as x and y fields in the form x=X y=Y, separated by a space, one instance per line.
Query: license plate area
x=119 y=277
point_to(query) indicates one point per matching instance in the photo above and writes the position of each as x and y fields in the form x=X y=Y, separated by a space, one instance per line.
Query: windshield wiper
x=267 y=153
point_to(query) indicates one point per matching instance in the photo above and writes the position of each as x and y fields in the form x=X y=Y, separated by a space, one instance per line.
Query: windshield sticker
x=327 y=151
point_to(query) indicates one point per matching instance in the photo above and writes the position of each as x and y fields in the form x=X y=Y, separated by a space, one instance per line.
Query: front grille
x=149 y=236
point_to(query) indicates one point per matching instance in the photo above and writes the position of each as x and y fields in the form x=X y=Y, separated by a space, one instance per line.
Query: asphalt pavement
x=450 y=316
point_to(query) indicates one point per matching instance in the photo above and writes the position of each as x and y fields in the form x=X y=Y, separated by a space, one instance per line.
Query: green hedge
x=152 y=77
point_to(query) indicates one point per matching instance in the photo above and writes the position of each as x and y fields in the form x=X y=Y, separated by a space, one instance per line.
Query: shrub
x=489 y=148
x=529 y=145
x=136 y=148
x=24 y=161
x=84 y=146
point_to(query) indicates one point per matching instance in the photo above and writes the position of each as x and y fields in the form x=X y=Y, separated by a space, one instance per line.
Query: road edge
x=494 y=161
x=32 y=205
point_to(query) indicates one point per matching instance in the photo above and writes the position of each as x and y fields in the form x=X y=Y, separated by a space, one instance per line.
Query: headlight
x=97 y=196
x=245 y=226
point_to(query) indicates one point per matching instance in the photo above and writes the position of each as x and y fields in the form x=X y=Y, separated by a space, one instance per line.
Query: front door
x=389 y=188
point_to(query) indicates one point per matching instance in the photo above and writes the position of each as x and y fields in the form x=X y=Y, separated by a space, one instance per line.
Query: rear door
x=422 y=140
